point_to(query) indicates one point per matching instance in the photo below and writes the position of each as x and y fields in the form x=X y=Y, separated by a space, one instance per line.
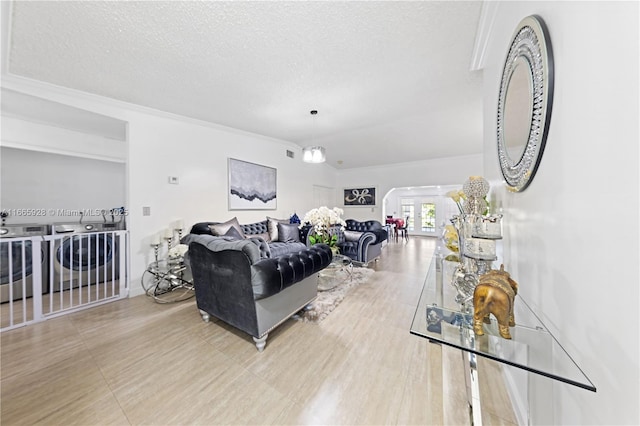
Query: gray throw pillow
x=288 y=233
x=233 y=233
x=272 y=227
x=352 y=235
x=220 y=229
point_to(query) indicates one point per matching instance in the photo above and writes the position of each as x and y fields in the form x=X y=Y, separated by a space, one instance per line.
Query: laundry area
x=63 y=231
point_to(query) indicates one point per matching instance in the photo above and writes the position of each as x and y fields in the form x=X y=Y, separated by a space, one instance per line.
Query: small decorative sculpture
x=465 y=284
x=476 y=189
x=494 y=294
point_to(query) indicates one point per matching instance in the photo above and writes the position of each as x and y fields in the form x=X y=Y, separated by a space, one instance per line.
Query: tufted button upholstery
x=202 y=228
x=369 y=225
x=270 y=276
x=255 y=228
x=368 y=246
x=262 y=246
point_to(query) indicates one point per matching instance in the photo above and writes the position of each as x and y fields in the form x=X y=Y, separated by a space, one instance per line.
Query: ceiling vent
x=290 y=154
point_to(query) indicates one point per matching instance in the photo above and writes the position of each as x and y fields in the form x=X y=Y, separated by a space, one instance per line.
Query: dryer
x=88 y=255
x=16 y=270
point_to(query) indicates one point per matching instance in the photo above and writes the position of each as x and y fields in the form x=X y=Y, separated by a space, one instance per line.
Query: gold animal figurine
x=494 y=294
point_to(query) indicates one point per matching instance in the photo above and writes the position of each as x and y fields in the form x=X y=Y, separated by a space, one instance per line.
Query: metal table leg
x=473 y=387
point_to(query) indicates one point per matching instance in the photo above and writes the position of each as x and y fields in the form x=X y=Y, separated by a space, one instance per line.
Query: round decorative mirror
x=524 y=103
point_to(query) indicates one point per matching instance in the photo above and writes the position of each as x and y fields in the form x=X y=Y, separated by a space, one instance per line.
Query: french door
x=422 y=215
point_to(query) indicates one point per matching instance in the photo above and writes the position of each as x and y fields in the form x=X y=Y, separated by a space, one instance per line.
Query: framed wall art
x=251 y=186
x=365 y=197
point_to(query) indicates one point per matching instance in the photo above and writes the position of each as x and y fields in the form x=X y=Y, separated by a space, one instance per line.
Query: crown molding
x=52 y=150
x=483 y=32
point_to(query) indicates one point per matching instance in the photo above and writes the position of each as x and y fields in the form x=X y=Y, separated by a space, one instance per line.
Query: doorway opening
x=427 y=208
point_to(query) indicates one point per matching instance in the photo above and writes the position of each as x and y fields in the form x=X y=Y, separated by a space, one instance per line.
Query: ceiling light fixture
x=314 y=154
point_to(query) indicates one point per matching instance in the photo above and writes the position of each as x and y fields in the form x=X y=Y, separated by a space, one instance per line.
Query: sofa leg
x=261 y=342
x=205 y=315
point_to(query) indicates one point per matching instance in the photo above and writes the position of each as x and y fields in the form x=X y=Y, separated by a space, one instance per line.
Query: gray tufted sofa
x=249 y=283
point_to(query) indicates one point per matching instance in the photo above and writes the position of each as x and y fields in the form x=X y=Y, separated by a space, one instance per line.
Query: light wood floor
x=138 y=362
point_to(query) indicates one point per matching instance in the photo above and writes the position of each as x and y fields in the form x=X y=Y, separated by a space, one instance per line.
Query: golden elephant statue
x=494 y=294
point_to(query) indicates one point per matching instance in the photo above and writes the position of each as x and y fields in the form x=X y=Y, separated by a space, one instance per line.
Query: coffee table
x=339 y=270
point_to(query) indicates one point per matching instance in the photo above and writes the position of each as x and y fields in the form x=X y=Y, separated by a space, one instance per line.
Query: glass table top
x=532 y=347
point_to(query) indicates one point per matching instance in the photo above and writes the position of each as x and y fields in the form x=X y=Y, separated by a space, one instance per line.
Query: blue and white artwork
x=251 y=186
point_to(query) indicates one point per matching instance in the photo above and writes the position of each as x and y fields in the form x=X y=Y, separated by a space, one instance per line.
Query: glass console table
x=532 y=347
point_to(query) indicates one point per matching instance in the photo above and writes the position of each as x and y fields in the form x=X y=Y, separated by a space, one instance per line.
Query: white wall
x=51 y=184
x=571 y=238
x=198 y=156
x=440 y=171
x=162 y=145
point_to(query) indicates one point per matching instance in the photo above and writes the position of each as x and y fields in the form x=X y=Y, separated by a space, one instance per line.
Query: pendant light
x=314 y=154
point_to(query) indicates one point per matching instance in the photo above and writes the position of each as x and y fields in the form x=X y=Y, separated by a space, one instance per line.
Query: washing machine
x=16 y=269
x=88 y=255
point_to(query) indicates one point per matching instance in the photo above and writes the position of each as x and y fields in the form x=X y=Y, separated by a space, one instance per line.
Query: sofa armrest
x=381 y=235
x=364 y=249
x=202 y=228
x=222 y=279
x=366 y=239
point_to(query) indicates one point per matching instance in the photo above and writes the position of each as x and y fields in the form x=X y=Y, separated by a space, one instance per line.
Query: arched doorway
x=427 y=207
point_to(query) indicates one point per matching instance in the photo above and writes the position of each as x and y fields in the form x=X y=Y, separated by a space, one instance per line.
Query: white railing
x=68 y=272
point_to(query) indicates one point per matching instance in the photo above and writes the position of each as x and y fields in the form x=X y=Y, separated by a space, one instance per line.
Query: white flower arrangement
x=322 y=219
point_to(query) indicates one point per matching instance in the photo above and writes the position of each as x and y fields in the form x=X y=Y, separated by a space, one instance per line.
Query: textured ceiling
x=391 y=80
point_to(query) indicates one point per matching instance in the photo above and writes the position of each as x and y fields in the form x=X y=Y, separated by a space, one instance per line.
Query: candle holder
x=156 y=249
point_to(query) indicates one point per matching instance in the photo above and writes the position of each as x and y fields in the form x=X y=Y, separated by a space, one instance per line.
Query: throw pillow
x=288 y=233
x=352 y=235
x=233 y=234
x=220 y=229
x=272 y=227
